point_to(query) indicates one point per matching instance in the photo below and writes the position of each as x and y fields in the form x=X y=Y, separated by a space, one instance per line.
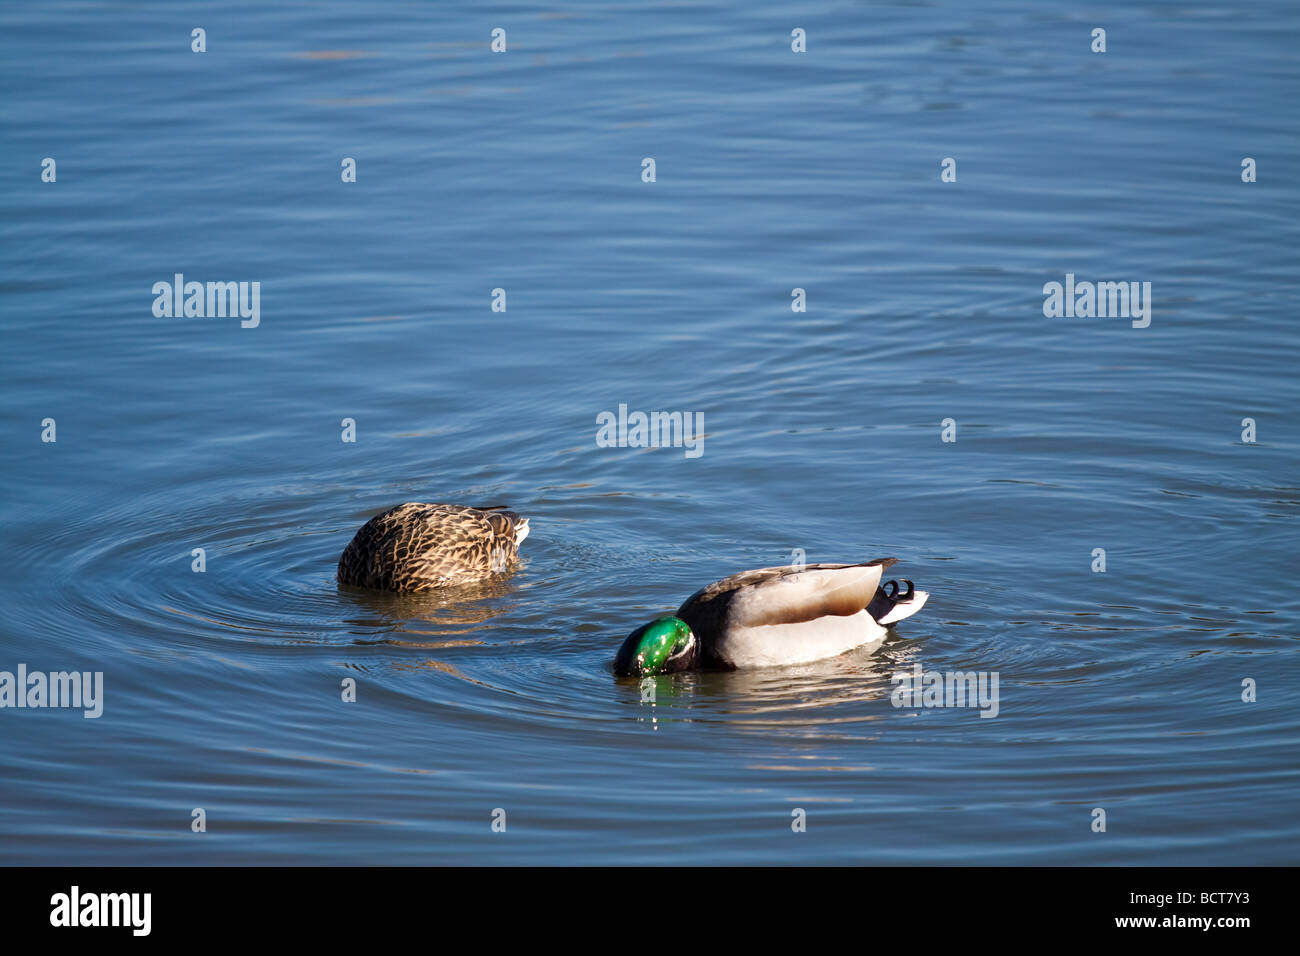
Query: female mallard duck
x=788 y=615
x=418 y=547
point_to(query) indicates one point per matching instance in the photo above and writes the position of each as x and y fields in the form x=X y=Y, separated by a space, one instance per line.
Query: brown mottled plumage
x=418 y=547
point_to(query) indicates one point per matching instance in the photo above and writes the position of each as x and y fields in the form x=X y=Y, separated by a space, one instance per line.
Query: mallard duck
x=788 y=615
x=418 y=547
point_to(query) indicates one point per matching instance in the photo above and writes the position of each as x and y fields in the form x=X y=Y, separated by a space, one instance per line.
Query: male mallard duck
x=417 y=547
x=787 y=615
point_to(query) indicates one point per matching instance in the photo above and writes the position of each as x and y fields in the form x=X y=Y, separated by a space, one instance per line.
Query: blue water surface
x=824 y=429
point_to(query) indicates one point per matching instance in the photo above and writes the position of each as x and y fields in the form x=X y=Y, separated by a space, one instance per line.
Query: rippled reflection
x=810 y=693
x=448 y=611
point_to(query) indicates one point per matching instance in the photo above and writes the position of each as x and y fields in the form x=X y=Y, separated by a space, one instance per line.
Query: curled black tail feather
x=888 y=597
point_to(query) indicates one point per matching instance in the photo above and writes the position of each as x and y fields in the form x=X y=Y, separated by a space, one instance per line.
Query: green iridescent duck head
x=663 y=646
